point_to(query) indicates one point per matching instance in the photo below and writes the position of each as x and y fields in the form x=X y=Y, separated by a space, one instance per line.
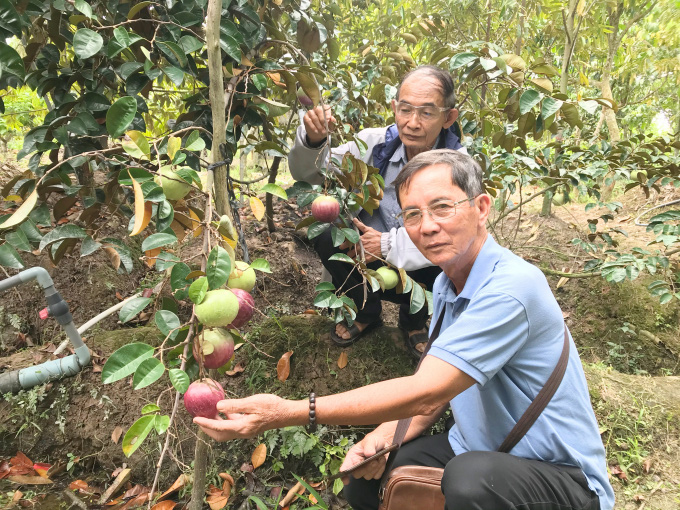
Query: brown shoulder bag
x=408 y=487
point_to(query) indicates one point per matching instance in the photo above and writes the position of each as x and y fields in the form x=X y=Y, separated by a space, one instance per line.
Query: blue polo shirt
x=505 y=330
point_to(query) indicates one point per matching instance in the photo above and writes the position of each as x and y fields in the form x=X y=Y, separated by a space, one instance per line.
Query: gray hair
x=444 y=79
x=465 y=171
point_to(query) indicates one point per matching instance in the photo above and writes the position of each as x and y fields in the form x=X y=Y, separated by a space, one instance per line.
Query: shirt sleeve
x=398 y=249
x=484 y=337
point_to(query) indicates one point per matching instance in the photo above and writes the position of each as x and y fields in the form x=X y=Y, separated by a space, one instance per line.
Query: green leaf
x=351 y=235
x=136 y=434
x=261 y=265
x=550 y=106
x=275 y=190
x=137 y=146
x=316 y=229
x=9 y=18
x=165 y=215
x=133 y=307
x=175 y=74
x=158 y=240
x=309 y=488
x=120 y=115
x=148 y=372
x=461 y=60
x=194 y=142
x=9 y=257
x=417 y=299
x=150 y=408
x=11 y=66
x=18 y=240
x=138 y=174
x=528 y=100
x=83 y=7
x=198 y=289
x=125 y=361
x=120 y=34
x=178 y=276
x=324 y=286
x=190 y=44
x=218 y=268
x=337 y=235
x=167 y=322
x=68 y=231
x=87 y=43
x=136 y=8
x=323 y=299
x=179 y=379
x=342 y=258
x=161 y=423
x=174 y=52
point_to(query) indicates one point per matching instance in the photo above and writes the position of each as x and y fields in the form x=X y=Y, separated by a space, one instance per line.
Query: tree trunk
x=569 y=43
x=520 y=27
x=217 y=103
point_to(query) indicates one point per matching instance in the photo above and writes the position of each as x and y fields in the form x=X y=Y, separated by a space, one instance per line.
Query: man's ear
x=484 y=205
x=394 y=107
x=451 y=117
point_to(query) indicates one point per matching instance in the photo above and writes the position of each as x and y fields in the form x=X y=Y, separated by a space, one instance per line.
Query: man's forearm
x=419 y=425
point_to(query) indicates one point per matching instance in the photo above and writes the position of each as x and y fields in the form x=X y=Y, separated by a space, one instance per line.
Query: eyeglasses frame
x=429 y=211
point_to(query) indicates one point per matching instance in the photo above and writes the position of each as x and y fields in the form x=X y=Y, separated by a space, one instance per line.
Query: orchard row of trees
x=148 y=103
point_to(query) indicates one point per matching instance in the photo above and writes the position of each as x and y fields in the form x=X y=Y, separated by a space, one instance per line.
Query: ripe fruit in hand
x=242 y=277
x=218 y=347
x=246 y=308
x=304 y=98
x=390 y=277
x=201 y=398
x=174 y=187
x=218 y=308
x=325 y=209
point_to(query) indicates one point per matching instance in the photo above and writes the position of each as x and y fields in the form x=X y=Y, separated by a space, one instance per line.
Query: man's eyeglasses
x=424 y=113
x=439 y=211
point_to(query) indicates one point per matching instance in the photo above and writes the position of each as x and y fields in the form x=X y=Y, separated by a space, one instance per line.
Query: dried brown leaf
x=342 y=360
x=283 y=367
x=217 y=502
x=259 y=455
x=115 y=435
x=236 y=370
x=177 y=485
x=77 y=485
x=20 y=459
x=164 y=505
x=29 y=480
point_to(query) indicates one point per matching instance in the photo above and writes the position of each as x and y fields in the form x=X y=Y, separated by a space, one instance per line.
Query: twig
x=75 y=499
x=552 y=272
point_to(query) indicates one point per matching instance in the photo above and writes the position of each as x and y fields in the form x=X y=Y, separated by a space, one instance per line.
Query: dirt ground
x=633 y=376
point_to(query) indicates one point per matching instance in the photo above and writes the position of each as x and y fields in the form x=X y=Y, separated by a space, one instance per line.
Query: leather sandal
x=354 y=332
x=413 y=340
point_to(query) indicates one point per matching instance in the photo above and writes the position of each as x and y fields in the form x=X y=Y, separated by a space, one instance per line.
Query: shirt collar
x=399 y=155
x=484 y=264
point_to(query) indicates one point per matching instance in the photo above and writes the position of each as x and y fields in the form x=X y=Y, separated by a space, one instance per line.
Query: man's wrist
x=315 y=145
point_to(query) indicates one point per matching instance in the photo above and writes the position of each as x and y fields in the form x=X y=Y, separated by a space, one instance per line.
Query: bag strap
x=403 y=425
x=523 y=424
x=540 y=402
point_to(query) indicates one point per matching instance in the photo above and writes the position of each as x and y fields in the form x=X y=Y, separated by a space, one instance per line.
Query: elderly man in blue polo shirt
x=501 y=337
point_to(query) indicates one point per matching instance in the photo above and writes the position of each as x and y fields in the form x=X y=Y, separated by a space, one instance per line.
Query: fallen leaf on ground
x=283 y=367
x=115 y=435
x=259 y=455
x=342 y=360
x=29 y=480
x=42 y=468
x=246 y=468
x=292 y=495
x=236 y=370
x=20 y=459
x=164 y=505
x=177 y=485
x=77 y=485
x=17 y=496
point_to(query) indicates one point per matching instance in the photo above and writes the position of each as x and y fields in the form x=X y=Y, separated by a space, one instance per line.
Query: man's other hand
x=370 y=238
x=315 y=125
x=368 y=446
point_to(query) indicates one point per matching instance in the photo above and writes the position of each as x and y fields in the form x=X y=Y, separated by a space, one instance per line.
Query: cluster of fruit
x=219 y=311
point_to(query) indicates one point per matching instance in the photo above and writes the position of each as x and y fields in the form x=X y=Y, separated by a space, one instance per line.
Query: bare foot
x=344 y=333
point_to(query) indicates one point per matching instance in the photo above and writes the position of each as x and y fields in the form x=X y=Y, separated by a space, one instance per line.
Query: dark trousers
x=345 y=276
x=486 y=480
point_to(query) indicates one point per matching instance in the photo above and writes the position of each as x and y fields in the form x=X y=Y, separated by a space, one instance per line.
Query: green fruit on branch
x=560 y=198
x=325 y=209
x=218 y=308
x=201 y=398
x=174 y=187
x=638 y=175
x=217 y=347
x=242 y=277
x=389 y=276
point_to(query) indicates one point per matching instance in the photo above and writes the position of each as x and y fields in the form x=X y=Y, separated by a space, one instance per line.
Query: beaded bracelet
x=312 y=412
